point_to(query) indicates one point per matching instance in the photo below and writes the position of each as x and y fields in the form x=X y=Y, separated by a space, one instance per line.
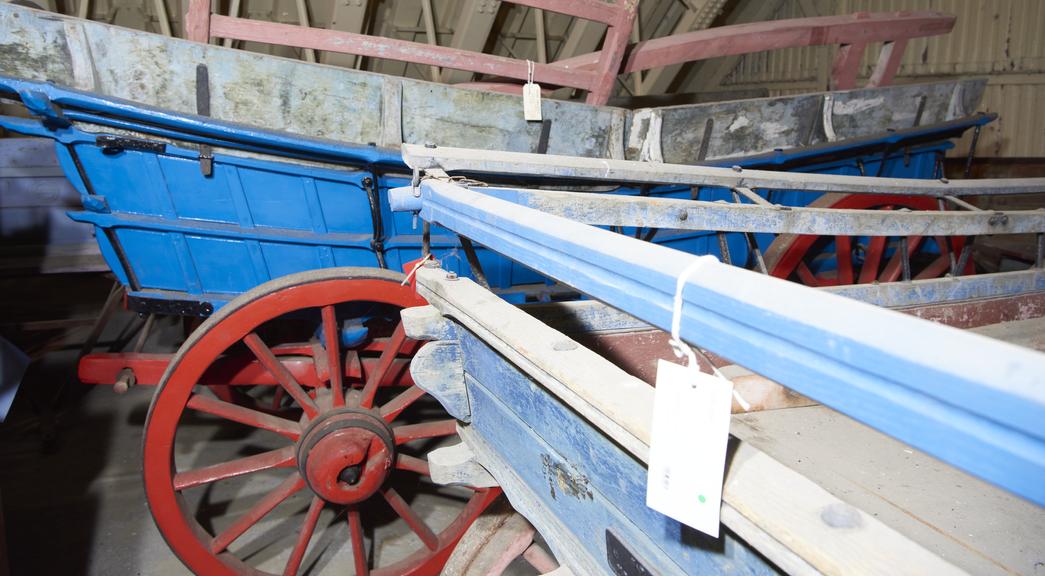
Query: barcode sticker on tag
x=691 y=412
x=532 y=102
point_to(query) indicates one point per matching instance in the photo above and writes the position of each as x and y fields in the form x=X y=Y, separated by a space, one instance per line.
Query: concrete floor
x=75 y=505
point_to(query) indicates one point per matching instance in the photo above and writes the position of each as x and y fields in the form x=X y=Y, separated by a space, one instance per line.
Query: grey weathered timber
x=591 y=316
x=281 y=94
x=361 y=107
x=678 y=214
x=763 y=499
x=941 y=290
x=762 y=125
x=627 y=171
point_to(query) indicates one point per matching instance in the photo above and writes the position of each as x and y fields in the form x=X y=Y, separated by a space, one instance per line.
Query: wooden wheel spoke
x=304 y=536
x=280 y=372
x=894 y=268
x=384 y=362
x=355 y=535
x=412 y=464
x=277 y=397
x=872 y=260
x=281 y=458
x=394 y=407
x=251 y=517
x=433 y=429
x=806 y=275
x=844 y=259
x=244 y=415
x=331 y=335
x=944 y=244
x=416 y=523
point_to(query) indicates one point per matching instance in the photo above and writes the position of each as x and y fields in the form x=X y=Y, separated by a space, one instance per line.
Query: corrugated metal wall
x=1002 y=39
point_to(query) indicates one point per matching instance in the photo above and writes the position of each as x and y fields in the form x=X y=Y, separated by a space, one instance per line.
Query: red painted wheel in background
x=797 y=257
x=344 y=451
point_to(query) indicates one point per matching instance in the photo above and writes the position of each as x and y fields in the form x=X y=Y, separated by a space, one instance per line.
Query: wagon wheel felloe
x=831 y=261
x=304 y=488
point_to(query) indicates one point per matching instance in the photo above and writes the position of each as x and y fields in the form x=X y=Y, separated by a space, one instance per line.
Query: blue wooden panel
x=124 y=179
x=275 y=200
x=345 y=206
x=283 y=259
x=154 y=259
x=583 y=478
x=522 y=275
x=226 y=263
x=356 y=257
x=197 y=196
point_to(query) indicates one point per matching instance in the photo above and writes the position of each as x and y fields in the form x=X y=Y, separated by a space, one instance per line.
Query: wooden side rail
x=596 y=72
x=852 y=33
x=201 y=26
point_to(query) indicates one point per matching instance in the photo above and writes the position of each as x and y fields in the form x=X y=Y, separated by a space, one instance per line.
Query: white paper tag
x=532 y=102
x=687 y=460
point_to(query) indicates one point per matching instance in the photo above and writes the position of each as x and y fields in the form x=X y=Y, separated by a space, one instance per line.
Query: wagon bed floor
x=970 y=523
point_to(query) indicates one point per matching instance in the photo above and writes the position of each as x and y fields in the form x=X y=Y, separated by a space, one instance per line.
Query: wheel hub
x=345 y=455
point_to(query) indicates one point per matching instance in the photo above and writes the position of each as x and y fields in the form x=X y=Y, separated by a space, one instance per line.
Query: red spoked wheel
x=840 y=260
x=298 y=490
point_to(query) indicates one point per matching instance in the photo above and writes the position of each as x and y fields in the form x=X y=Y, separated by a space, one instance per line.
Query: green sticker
x=702 y=499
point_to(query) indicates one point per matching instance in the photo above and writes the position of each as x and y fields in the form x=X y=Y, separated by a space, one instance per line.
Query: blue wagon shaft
x=538 y=409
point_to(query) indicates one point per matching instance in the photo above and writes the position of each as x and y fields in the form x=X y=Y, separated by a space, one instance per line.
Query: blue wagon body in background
x=190 y=236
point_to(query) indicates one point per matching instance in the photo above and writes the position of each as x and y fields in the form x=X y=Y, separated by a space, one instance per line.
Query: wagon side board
x=360 y=107
x=539 y=415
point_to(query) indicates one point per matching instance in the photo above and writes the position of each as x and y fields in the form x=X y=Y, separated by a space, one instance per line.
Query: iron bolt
x=944 y=181
x=737 y=168
x=683 y=215
x=451 y=275
x=351 y=475
x=124 y=381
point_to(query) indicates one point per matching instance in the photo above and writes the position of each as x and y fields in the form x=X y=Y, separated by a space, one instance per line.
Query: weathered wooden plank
x=473 y=161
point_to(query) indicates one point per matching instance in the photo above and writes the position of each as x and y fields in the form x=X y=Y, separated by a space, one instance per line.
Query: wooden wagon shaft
x=477 y=162
x=618 y=405
x=679 y=214
x=639 y=278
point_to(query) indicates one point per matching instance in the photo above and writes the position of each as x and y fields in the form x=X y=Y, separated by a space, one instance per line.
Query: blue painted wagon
x=284 y=238
x=862 y=440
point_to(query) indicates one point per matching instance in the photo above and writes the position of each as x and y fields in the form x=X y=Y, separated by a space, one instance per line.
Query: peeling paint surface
x=739 y=123
x=563 y=481
x=282 y=94
x=857 y=105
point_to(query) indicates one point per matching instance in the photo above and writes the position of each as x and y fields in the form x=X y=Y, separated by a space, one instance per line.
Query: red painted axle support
x=201 y=26
x=148 y=369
